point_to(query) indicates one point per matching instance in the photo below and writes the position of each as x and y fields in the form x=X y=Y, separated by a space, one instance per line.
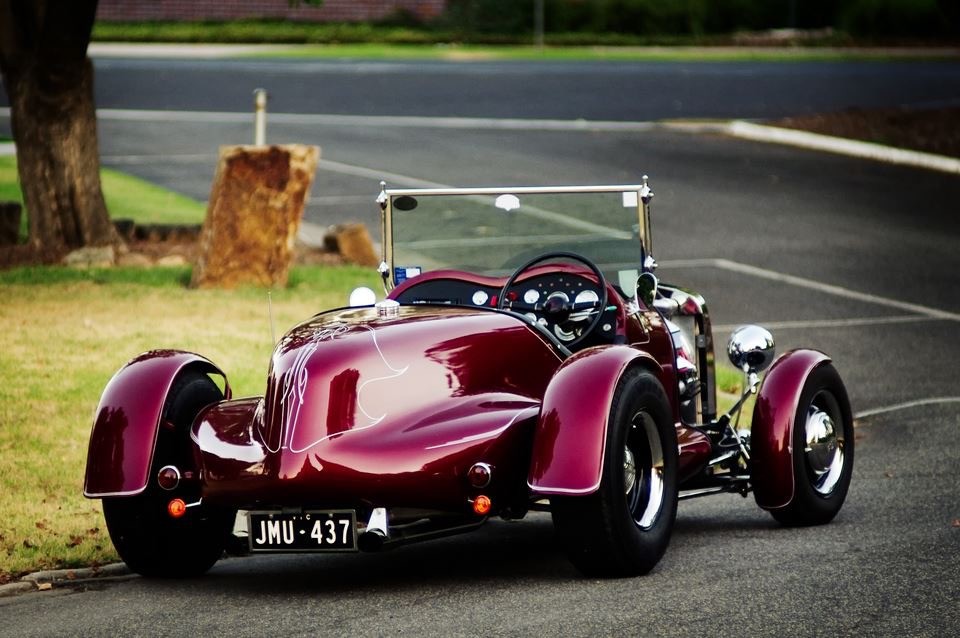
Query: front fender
x=771 y=437
x=569 y=441
x=127 y=420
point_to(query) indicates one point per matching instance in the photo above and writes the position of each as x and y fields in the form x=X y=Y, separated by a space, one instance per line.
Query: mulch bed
x=929 y=130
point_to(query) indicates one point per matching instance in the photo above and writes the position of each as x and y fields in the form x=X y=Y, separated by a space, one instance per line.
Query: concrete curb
x=181 y=51
x=209 y=50
x=853 y=148
x=744 y=130
x=814 y=141
x=49 y=579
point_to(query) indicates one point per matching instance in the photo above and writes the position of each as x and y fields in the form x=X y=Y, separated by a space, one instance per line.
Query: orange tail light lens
x=176 y=508
x=482 y=505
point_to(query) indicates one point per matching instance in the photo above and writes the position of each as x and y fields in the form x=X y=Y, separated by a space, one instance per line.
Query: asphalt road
x=565 y=90
x=887 y=566
x=850 y=256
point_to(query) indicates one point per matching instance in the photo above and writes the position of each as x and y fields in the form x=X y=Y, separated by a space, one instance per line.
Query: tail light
x=482 y=505
x=176 y=508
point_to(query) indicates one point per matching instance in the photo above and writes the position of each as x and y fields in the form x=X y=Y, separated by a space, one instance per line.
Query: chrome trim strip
x=522 y=190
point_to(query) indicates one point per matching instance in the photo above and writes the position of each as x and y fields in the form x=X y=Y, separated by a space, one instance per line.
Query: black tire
x=821 y=471
x=619 y=531
x=148 y=540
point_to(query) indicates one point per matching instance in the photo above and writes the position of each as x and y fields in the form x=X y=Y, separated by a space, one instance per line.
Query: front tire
x=623 y=529
x=148 y=540
x=822 y=451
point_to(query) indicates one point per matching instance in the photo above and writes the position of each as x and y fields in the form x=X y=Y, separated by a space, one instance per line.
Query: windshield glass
x=493 y=232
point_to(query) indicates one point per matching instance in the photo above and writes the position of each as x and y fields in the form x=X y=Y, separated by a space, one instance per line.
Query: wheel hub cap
x=644 y=484
x=629 y=470
x=824 y=450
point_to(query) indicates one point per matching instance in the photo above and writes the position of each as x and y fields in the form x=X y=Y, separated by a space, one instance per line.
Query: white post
x=259 y=117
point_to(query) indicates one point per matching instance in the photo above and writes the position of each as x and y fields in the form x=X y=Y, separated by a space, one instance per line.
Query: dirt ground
x=929 y=130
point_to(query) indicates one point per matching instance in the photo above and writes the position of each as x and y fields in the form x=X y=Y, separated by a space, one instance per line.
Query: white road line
x=832 y=323
x=737 y=128
x=688 y=263
x=330 y=200
x=391 y=178
x=368 y=121
x=838 y=291
x=160 y=158
x=396 y=178
x=921 y=313
x=375 y=121
x=906 y=406
x=375 y=174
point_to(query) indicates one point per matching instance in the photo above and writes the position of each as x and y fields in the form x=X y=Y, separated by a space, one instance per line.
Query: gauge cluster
x=532 y=296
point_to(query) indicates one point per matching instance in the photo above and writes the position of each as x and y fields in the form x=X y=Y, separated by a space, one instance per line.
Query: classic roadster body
x=525 y=358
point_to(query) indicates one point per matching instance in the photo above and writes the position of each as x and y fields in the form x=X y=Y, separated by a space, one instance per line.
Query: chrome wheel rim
x=823 y=445
x=643 y=469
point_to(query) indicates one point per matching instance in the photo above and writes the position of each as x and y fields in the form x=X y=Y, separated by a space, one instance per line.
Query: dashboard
x=535 y=297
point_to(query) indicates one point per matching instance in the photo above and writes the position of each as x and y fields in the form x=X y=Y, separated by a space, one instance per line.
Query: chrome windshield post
x=386 y=228
x=646 y=196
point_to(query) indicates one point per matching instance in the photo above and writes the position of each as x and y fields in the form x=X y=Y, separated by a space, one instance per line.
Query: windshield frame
x=387 y=197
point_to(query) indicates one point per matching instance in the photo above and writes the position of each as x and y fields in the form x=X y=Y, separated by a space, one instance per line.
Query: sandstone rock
x=353 y=243
x=256 y=204
x=172 y=260
x=134 y=259
x=91 y=257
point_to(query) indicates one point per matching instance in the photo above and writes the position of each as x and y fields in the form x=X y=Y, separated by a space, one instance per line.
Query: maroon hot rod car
x=525 y=358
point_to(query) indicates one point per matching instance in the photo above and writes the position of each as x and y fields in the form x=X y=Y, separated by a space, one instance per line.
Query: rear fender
x=771 y=437
x=127 y=420
x=571 y=433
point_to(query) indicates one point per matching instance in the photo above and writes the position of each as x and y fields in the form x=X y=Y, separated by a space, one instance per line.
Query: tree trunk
x=49 y=81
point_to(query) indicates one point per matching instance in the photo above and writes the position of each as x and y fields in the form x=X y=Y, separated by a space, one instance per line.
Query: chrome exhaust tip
x=376 y=534
x=371 y=541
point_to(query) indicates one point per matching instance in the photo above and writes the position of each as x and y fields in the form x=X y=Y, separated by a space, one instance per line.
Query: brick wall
x=331 y=11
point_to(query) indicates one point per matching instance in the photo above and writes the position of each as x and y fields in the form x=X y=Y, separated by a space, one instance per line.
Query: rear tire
x=823 y=451
x=623 y=529
x=148 y=540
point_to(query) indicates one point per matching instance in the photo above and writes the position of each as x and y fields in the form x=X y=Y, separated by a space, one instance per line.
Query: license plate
x=319 y=531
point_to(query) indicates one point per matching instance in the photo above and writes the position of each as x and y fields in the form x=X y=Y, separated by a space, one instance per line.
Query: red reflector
x=176 y=508
x=479 y=475
x=168 y=477
x=482 y=505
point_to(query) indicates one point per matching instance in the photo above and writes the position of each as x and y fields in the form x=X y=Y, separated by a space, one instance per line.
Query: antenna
x=273 y=334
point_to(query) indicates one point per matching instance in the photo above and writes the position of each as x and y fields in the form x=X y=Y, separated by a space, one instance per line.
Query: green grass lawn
x=127 y=197
x=456 y=52
x=295 y=39
x=65 y=332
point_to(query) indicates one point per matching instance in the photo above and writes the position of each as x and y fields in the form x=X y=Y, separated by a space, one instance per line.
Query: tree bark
x=49 y=80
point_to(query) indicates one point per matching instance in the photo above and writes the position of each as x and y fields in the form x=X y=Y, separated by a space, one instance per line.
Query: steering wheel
x=555 y=310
